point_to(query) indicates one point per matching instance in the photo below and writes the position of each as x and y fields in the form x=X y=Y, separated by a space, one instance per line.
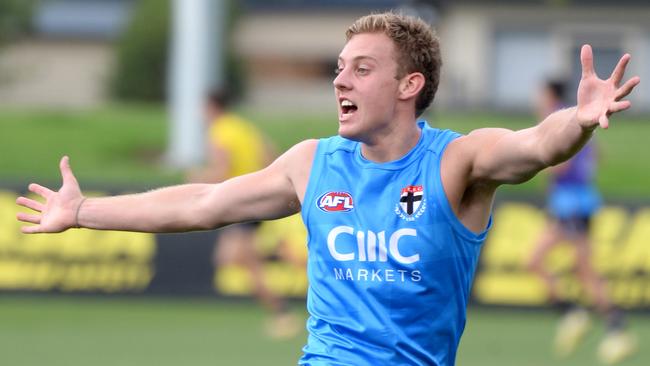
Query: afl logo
x=335 y=202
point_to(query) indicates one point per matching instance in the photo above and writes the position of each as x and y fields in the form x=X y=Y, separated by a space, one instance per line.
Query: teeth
x=346 y=103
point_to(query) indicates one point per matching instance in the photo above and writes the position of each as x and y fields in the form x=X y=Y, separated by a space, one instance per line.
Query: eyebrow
x=361 y=57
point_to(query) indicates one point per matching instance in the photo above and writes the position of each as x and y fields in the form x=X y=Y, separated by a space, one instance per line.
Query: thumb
x=66 y=172
x=603 y=121
x=587 y=61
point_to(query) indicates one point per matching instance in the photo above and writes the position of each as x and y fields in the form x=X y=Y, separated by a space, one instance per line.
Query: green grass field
x=62 y=330
x=124 y=145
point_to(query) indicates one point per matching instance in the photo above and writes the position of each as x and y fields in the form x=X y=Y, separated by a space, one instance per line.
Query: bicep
x=504 y=156
x=263 y=195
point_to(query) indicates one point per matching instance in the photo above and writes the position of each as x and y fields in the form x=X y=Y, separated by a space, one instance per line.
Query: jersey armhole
x=443 y=201
x=312 y=183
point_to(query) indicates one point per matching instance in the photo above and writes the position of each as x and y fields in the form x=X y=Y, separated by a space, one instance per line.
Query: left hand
x=61 y=208
x=597 y=98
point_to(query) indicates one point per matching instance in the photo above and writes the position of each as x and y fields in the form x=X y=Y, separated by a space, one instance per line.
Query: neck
x=392 y=144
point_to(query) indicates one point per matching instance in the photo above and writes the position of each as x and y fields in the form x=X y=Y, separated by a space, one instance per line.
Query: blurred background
x=119 y=86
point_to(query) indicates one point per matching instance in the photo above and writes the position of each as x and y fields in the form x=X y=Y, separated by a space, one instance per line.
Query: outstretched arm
x=267 y=194
x=503 y=156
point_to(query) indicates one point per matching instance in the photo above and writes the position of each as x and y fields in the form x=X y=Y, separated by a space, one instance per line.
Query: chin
x=348 y=133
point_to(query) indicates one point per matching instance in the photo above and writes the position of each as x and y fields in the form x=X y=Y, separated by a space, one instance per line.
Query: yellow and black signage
x=110 y=261
x=283 y=245
x=620 y=253
x=74 y=261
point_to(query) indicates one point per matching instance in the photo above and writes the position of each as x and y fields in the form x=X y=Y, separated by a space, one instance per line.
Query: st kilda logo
x=335 y=202
x=411 y=203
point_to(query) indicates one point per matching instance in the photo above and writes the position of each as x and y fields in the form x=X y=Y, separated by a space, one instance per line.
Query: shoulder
x=297 y=164
x=300 y=155
x=464 y=154
x=303 y=147
x=328 y=145
x=483 y=135
x=438 y=139
x=333 y=144
x=468 y=146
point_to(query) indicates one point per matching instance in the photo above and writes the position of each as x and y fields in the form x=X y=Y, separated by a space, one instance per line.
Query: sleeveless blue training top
x=390 y=266
x=573 y=193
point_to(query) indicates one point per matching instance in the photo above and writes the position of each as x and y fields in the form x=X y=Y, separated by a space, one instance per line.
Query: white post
x=192 y=45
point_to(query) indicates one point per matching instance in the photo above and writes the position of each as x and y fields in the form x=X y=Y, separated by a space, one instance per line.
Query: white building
x=495 y=53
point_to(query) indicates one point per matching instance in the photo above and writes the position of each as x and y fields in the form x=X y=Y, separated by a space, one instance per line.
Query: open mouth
x=347 y=107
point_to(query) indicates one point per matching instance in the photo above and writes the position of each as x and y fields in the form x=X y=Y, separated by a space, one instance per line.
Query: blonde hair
x=418 y=49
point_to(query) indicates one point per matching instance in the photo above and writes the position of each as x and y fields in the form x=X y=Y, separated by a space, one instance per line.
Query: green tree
x=143 y=54
x=15 y=17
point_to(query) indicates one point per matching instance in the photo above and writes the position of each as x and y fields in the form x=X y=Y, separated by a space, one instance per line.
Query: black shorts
x=575 y=225
x=252 y=225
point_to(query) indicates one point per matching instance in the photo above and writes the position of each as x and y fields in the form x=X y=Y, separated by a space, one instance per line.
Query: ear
x=411 y=85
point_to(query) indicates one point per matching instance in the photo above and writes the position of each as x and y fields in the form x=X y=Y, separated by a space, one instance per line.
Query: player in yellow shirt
x=239 y=146
x=236 y=147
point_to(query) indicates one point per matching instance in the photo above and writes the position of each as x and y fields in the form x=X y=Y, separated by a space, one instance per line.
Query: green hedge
x=143 y=54
x=15 y=16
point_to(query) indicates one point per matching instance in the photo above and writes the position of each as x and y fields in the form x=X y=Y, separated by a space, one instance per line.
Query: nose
x=342 y=80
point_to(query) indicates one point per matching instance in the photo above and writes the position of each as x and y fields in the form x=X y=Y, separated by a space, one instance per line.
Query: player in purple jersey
x=573 y=199
x=388 y=73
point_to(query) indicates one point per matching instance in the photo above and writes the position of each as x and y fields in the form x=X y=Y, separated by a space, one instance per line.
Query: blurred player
x=236 y=147
x=282 y=243
x=572 y=202
x=396 y=211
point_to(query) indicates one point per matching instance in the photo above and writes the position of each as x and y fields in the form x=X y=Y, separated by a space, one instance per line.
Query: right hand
x=597 y=98
x=59 y=212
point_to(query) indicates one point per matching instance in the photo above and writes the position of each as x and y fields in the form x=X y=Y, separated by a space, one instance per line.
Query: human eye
x=338 y=70
x=363 y=70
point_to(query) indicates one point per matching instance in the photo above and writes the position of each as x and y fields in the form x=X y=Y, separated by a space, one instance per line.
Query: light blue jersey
x=390 y=266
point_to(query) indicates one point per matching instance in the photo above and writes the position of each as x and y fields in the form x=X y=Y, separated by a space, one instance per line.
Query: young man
x=573 y=199
x=396 y=210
